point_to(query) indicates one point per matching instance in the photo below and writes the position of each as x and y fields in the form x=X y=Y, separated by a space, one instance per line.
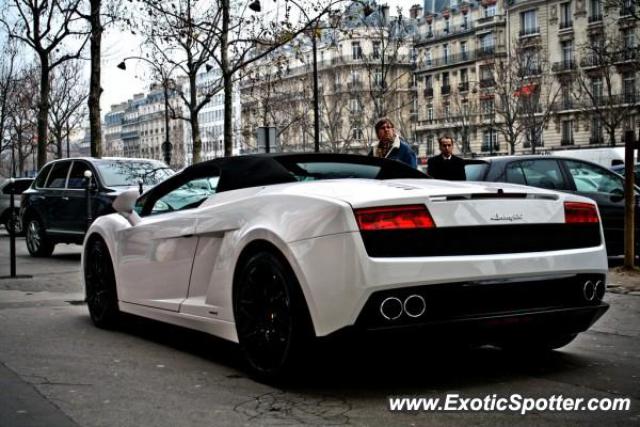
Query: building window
x=629 y=88
x=529 y=23
x=463 y=51
x=596 y=90
x=490 y=141
x=430 y=145
x=595 y=8
x=567 y=133
x=430 y=113
x=447 y=25
x=376 y=49
x=487 y=43
x=490 y=10
x=565 y=15
x=356 y=133
x=465 y=21
x=445 y=53
x=486 y=106
x=446 y=86
x=356 y=51
x=567 y=54
x=596 y=131
x=428 y=58
x=354 y=105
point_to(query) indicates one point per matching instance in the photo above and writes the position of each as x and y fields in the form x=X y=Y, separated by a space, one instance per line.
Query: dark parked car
x=569 y=175
x=20 y=184
x=636 y=171
x=54 y=209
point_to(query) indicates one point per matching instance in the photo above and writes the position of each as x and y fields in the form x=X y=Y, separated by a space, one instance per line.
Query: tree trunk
x=43 y=110
x=630 y=201
x=226 y=75
x=193 y=120
x=94 y=84
x=612 y=137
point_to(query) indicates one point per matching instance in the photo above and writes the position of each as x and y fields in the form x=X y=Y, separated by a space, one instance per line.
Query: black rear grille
x=456 y=301
x=480 y=240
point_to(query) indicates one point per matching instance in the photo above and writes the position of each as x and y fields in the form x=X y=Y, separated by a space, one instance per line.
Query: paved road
x=56 y=369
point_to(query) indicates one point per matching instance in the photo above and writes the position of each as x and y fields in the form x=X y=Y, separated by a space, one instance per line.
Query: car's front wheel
x=100 y=285
x=271 y=317
x=38 y=243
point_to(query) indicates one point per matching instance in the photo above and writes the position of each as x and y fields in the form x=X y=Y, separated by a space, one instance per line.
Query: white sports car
x=271 y=251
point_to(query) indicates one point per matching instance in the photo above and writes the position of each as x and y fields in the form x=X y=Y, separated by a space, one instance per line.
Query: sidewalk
x=624 y=282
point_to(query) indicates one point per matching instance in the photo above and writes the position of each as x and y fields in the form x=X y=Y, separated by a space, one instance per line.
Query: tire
x=100 y=285
x=537 y=343
x=38 y=243
x=272 y=321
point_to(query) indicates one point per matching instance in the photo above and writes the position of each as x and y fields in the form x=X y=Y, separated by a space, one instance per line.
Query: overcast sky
x=120 y=85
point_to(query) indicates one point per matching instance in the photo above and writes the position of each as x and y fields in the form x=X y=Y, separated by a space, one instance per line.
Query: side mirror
x=125 y=203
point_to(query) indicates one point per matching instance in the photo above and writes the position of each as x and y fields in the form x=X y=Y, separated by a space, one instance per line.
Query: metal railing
x=566 y=24
x=526 y=32
x=566 y=65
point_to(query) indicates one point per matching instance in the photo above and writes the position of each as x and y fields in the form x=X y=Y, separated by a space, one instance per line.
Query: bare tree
x=598 y=84
x=93 y=12
x=46 y=26
x=67 y=97
x=22 y=119
x=524 y=95
x=7 y=87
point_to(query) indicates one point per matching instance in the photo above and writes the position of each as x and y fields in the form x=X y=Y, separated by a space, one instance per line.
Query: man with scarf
x=390 y=145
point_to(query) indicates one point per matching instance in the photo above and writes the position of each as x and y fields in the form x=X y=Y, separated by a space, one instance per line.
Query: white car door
x=155 y=259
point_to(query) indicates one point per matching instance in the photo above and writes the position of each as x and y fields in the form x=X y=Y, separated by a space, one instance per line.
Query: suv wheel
x=37 y=242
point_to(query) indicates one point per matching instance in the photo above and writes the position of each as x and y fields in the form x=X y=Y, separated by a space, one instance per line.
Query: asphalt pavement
x=57 y=369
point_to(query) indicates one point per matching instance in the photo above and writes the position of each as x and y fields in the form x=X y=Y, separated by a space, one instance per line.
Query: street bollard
x=12 y=227
x=87 y=177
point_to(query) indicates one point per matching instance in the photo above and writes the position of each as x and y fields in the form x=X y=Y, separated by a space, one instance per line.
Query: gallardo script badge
x=510 y=218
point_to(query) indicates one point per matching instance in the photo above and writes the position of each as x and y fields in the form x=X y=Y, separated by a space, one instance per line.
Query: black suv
x=54 y=209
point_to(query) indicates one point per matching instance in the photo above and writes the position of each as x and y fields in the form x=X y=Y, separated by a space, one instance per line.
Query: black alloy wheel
x=38 y=244
x=100 y=285
x=271 y=317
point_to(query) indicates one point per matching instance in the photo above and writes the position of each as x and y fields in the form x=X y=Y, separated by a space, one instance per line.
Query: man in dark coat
x=446 y=165
x=390 y=145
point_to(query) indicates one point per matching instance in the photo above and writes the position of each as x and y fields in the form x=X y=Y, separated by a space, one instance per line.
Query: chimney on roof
x=415 y=11
x=384 y=10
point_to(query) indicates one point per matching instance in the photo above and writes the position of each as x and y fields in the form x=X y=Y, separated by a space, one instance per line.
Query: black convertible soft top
x=258 y=170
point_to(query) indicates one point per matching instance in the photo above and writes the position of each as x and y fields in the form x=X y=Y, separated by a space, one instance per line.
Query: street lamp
x=166 y=146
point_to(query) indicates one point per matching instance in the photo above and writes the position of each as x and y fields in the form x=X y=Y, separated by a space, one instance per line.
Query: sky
x=119 y=85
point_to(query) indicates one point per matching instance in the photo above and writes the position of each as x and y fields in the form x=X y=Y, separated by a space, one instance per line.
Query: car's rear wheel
x=537 y=343
x=271 y=317
x=100 y=285
x=38 y=244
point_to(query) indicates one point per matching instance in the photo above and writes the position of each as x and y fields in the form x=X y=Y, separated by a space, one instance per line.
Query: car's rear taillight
x=576 y=212
x=394 y=218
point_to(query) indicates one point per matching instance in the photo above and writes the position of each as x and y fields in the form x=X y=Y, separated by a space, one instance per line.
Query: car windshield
x=125 y=173
x=475 y=171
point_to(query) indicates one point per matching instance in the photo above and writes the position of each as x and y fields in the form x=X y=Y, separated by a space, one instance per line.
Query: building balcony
x=565 y=104
x=565 y=25
x=354 y=85
x=591 y=61
x=463 y=86
x=439 y=35
x=563 y=66
x=529 y=32
x=487 y=82
x=627 y=10
x=629 y=54
x=595 y=18
x=487 y=21
x=445 y=89
x=428 y=92
x=530 y=71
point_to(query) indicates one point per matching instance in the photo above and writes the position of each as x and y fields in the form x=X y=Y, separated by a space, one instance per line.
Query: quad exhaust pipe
x=413 y=306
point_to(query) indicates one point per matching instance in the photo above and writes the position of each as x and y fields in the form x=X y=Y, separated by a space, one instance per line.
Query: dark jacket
x=440 y=168
x=403 y=154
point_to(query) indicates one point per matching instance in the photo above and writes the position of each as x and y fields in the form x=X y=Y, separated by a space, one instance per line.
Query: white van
x=606 y=157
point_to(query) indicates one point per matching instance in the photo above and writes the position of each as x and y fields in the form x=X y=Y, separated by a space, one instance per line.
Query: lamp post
x=166 y=146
